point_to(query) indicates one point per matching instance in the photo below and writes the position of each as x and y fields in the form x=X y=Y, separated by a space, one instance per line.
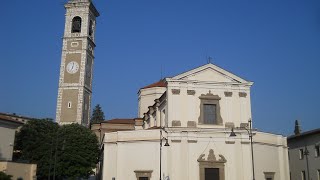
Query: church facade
x=196 y=125
x=185 y=134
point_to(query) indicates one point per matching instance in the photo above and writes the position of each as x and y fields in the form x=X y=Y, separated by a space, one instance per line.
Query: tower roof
x=160 y=83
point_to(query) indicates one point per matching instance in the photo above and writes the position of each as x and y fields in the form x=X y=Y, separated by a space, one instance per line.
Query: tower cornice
x=82 y=3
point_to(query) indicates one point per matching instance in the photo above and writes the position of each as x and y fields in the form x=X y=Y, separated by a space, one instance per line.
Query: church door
x=143 y=178
x=212 y=174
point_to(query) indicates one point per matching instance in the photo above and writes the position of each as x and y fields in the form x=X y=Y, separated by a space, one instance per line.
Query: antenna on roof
x=161 y=75
x=209 y=59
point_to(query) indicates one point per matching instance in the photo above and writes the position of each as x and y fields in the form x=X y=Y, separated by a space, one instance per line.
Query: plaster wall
x=146 y=98
x=298 y=165
x=185 y=107
x=19 y=170
x=129 y=151
x=270 y=155
x=69 y=114
x=6 y=142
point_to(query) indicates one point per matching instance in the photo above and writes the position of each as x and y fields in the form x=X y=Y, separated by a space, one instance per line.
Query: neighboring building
x=8 y=128
x=304 y=155
x=75 y=82
x=9 y=124
x=195 y=114
x=114 y=125
x=23 y=119
x=19 y=170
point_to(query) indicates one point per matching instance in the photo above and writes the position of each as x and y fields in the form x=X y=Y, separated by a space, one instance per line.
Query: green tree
x=36 y=141
x=97 y=114
x=4 y=176
x=69 y=151
x=77 y=153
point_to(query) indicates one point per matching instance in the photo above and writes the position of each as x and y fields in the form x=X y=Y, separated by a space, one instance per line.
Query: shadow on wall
x=1 y=158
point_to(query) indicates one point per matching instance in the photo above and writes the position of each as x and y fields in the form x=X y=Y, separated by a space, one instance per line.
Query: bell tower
x=75 y=82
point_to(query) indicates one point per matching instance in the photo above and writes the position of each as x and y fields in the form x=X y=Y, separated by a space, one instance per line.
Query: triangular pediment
x=209 y=73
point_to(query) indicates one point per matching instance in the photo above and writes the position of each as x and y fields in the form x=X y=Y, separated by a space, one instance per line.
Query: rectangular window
x=300 y=153
x=69 y=104
x=303 y=175
x=210 y=109
x=209 y=114
x=317 y=150
x=211 y=173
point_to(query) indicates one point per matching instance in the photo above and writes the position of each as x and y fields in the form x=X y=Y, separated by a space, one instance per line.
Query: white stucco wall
x=184 y=107
x=7 y=135
x=146 y=98
x=271 y=155
x=126 y=152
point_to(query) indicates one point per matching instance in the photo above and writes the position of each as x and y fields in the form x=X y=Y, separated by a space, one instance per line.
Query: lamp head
x=232 y=134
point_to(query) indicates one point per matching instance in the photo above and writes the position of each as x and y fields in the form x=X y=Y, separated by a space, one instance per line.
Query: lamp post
x=166 y=144
x=306 y=153
x=249 y=130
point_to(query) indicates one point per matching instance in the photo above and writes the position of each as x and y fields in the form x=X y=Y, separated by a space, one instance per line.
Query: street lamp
x=166 y=144
x=306 y=153
x=249 y=130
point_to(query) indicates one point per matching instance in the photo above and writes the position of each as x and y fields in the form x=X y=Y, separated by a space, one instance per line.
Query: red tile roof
x=160 y=83
x=120 y=121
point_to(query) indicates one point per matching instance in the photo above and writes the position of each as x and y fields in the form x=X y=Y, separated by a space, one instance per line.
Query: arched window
x=76 y=25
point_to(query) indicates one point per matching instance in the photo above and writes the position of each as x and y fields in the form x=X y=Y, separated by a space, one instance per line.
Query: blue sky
x=274 y=43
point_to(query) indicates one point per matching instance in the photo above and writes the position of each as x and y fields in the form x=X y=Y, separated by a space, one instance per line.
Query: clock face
x=72 y=67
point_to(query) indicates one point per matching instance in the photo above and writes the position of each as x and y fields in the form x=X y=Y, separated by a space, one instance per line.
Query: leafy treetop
x=97 y=114
x=68 y=151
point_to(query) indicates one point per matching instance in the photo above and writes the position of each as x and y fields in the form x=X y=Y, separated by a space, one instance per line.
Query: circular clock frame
x=72 y=67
